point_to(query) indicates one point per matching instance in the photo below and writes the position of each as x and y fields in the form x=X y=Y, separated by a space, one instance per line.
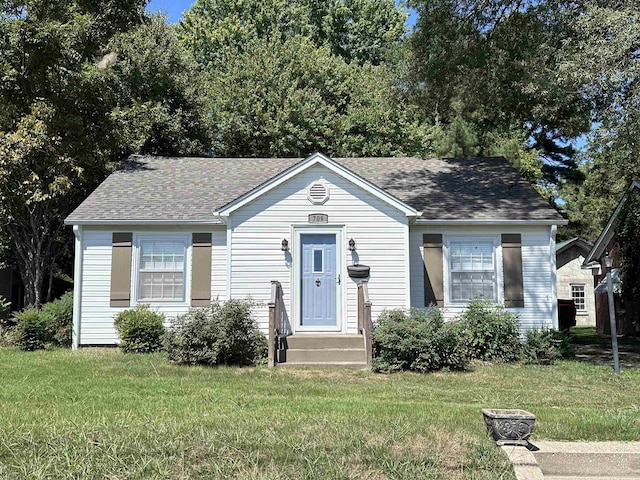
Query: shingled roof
x=191 y=189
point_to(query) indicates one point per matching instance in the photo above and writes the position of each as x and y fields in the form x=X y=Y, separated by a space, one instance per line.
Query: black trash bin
x=566 y=314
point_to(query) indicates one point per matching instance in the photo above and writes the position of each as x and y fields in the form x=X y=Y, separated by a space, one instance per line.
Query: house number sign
x=318 y=218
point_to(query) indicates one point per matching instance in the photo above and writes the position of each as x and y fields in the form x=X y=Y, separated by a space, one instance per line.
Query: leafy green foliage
x=419 y=341
x=140 y=329
x=58 y=315
x=292 y=98
x=487 y=69
x=31 y=330
x=362 y=31
x=628 y=232
x=493 y=332
x=82 y=85
x=220 y=334
x=545 y=346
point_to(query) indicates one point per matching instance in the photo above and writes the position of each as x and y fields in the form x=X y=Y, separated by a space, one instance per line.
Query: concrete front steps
x=326 y=350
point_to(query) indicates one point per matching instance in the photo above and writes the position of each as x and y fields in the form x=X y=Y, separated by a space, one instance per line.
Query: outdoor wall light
x=352 y=245
x=608 y=261
x=285 y=245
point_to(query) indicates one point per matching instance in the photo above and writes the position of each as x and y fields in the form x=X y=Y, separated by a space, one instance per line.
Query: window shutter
x=201 y=270
x=433 y=269
x=121 y=269
x=512 y=269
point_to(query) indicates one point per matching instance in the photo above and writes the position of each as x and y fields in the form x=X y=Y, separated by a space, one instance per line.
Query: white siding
x=96 y=316
x=378 y=229
x=538 y=279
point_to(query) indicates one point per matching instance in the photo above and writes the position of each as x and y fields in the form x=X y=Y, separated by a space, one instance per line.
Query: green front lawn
x=103 y=414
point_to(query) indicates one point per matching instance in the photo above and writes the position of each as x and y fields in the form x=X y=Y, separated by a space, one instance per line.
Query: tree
x=356 y=30
x=292 y=98
x=77 y=94
x=606 y=63
x=493 y=65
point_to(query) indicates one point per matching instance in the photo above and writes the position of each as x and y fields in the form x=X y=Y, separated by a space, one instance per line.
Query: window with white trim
x=472 y=271
x=578 y=295
x=161 y=272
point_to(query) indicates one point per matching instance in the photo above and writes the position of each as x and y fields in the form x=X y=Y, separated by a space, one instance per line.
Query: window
x=161 y=270
x=578 y=296
x=317 y=261
x=472 y=271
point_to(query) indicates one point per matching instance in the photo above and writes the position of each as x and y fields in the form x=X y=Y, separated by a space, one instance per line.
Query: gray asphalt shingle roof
x=191 y=189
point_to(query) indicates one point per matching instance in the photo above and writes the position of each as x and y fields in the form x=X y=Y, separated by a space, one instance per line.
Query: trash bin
x=566 y=314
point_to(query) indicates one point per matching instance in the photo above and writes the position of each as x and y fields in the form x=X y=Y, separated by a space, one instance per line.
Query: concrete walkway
x=576 y=460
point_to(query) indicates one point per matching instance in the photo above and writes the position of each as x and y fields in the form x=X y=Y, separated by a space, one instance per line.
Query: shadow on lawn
x=594 y=348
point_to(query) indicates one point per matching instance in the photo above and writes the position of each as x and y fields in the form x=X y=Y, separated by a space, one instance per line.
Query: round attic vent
x=318 y=193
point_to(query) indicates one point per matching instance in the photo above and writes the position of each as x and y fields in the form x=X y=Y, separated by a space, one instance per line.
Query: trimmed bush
x=58 y=315
x=545 y=346
x=140 y=330
x=493 y=332
x=31 y=331
x=220 y=334
x=419 y=341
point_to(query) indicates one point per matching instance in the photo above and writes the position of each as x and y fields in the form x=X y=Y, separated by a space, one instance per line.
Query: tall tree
x=76 y=96
x=356 y=30
x=291 y=98
x=606 y=63
x=493 y=64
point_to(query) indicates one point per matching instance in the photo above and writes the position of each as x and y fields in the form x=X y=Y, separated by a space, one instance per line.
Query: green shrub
x=31 y=331
x=140 y=330
x=418 y=340
x=58 y=316
x=6 y=321
x=493 y=332
x=220 y=334
x=545 y=346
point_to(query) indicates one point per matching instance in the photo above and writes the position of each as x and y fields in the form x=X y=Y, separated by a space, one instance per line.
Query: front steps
x=325 y=350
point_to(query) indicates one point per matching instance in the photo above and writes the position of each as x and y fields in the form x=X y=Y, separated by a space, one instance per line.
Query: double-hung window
x=472 y=271
x=161 y=273
x=579 y=298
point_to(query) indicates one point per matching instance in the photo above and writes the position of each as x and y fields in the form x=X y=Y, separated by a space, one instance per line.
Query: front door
x=319 y=281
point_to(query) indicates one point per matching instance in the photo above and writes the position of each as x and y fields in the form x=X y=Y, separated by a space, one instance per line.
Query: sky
x=174 y=9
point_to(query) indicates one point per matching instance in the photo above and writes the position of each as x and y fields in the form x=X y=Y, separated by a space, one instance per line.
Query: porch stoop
x=345 y=351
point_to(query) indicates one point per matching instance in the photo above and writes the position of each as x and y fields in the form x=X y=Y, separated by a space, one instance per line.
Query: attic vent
x=318 y=193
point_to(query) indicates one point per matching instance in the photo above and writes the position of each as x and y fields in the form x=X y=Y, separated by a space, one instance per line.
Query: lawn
x=103 y=414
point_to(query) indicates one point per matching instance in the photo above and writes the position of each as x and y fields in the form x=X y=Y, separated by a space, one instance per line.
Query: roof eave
x=599 y=246
x=475 y=221
x=96 y=222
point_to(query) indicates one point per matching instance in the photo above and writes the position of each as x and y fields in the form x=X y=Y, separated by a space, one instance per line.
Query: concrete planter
x=509 y=427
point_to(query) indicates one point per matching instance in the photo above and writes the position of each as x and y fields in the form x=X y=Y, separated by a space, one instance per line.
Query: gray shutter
x=121 y=269
x=201 y=270
x=433 y=269
x=512 y=269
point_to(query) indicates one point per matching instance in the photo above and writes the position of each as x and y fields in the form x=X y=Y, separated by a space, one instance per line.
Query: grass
x=103 y=414
x=588 y=336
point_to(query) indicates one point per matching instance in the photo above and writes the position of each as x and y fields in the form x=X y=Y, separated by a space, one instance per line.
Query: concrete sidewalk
x=576 y=460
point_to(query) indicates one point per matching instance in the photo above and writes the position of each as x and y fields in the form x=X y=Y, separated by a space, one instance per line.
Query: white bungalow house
x=179 y=232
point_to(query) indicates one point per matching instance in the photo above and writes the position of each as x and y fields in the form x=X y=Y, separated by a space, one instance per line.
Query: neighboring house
x=627 y=309
x=177 y=232
x=574 y=282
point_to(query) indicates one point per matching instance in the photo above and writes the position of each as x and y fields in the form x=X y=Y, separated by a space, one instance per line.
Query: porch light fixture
x=608 y=262
x=352 y=245
x=285 y=245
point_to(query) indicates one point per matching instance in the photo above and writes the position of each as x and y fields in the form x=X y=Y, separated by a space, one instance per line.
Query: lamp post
x=608 y=262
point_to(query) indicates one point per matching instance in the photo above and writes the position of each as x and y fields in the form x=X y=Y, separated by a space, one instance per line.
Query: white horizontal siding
x=96 y=315
x=538 y=279
x=259 y=227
